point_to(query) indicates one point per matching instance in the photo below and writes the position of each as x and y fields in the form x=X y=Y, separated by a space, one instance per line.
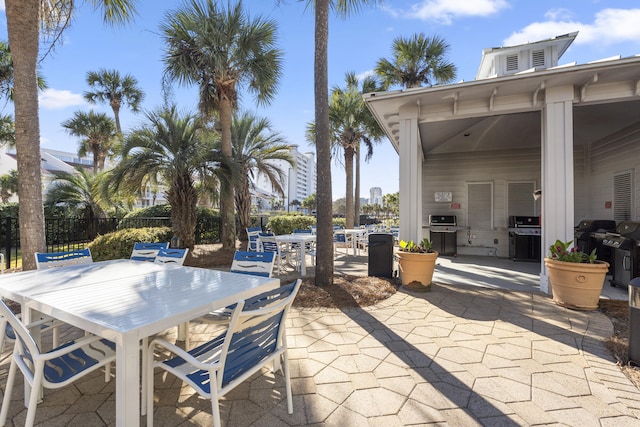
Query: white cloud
x=1 y=4
x=55 y=99
x=445 y=11
x=609 y=26
x=365 y=74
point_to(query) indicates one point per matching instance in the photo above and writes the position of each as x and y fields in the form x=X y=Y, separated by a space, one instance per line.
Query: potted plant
x=576 y=278
x=416 y=262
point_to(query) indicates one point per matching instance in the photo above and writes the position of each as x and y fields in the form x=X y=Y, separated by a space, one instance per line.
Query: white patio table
x=125 y=301
x=356 y=234
x=301 y=239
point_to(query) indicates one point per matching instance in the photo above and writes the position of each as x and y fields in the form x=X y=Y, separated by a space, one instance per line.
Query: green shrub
x=156 y=211
x=342 y=222
x=119 y=244
x=285 y=224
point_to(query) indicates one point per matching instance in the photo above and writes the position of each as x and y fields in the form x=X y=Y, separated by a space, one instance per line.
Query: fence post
x=7 y=242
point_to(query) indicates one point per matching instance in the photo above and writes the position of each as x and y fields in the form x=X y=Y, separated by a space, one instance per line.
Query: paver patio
x=459 y=355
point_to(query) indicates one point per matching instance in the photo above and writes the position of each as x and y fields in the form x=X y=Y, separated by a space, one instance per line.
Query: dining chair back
x=254 y=263
x=53 y=369
x=268 y=243
x=46 y=260
x=256 y=336
x=171 y=256
x=143 y=251
x=252 y=236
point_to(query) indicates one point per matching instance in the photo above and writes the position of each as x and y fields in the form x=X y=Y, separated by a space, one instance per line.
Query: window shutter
x=622 y=196
x=480 y=214
x=521 y=201
x=537 y=58
x=512 y=62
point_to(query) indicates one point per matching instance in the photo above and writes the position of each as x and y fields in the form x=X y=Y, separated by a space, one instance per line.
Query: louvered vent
x=512 y=62
x=537 y=58
x=622 y=196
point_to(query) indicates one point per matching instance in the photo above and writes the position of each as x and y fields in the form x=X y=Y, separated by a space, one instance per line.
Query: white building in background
x=55 y=161
x=375 y=196
x=299 y=183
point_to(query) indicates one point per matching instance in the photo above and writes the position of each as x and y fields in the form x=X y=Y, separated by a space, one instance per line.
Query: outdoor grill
x=625 y=243
x=443 y=234
x=589 y=235
x=524 y=238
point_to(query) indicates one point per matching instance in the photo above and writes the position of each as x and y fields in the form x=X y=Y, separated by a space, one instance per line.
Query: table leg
x=128 y=382
x=303 y=259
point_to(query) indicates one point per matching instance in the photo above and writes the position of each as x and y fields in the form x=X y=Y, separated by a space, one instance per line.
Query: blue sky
x=606 y=28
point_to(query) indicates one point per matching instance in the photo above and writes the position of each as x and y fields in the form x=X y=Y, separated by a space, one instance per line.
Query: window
x=512 y=62
x=622 y=196
x=537 y=58
x=520 y=201
x=480 y=210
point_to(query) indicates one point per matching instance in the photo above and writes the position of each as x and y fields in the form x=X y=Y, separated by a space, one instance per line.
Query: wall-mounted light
x=537 y=194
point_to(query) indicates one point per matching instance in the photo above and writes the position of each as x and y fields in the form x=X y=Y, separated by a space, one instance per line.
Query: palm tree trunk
x=183 y=198
x=324 y=245
x=356 y=195
x=226 y=185
x=348 y=169
x=23 y=20
x=243 y=205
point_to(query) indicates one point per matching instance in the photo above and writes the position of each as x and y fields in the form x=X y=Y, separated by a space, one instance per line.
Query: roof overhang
x=449 y=111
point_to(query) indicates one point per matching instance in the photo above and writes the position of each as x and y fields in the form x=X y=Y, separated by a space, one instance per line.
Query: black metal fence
x=64 y=234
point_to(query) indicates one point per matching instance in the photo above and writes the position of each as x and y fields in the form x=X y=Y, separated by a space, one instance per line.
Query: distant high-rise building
x=299 y=183
x=375 y=196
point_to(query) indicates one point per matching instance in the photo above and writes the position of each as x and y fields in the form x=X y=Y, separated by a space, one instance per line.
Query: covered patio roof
x=506 y=110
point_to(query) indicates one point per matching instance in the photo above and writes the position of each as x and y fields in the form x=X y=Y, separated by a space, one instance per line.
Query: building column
x=557 y=172
x=411 y=159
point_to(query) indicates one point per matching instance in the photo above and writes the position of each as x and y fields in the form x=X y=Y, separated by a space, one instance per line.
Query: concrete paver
x=458 y=355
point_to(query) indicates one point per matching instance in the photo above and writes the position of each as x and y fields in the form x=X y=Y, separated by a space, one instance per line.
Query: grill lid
x=524 y=221
x=442 y=220
x=589 y=225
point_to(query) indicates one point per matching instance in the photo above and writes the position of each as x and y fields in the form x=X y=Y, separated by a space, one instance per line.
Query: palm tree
x=7 y=131
x=173 y=149
x=255 y=147
x=112 y=88
x=24 y=20
x=80 y=190
x=98 y=135
x=417 y=60
x=324 y=246
x=6 y=73
x=243 y=53
x=351 y=126
x=8 y=185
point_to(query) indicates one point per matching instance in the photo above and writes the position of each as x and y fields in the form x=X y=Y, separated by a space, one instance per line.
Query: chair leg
x=215 y=400
x=287 y=381
x=34 y=395
x=7 y=393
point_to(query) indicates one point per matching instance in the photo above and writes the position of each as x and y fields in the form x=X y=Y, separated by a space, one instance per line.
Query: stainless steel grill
x=625 y=242
x=443 y=234
x=524 y=238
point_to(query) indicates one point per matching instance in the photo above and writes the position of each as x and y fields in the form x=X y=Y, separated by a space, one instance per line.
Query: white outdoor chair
x=252 y=235
x=255 y=338
x=46 y=260
x=171 y=256
x=341 y=240
x=270 y=244
x=253 y=263
x=53 y=369
x=147 y=251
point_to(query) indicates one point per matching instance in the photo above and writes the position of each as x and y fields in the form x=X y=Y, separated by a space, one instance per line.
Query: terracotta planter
x=417 y=267
x=576 y=285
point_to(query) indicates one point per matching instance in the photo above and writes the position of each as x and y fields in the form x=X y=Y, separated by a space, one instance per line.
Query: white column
x=411 y=159
x=557 y=172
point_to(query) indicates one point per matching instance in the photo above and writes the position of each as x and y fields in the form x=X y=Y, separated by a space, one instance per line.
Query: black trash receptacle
x=380 y=255
x=634 y=321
